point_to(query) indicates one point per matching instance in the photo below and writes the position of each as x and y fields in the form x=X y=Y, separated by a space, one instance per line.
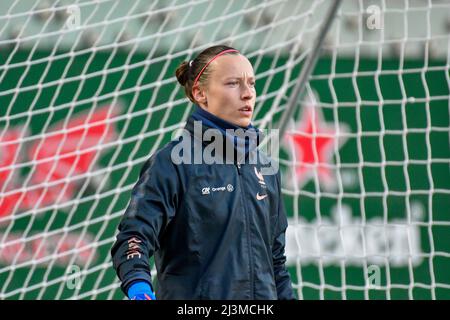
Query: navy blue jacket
x=212 y=230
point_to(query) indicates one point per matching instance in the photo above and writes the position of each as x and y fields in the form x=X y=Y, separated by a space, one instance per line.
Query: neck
x=202 y=114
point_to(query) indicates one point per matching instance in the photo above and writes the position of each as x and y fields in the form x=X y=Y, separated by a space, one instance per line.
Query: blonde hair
x=188 y=71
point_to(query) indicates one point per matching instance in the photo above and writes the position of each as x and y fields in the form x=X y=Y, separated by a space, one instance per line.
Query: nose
x=247 y=92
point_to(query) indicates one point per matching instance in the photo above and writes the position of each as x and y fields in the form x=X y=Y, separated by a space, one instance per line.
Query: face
x=230 y=92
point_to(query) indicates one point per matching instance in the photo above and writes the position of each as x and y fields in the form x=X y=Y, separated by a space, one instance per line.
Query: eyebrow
x=237 y=77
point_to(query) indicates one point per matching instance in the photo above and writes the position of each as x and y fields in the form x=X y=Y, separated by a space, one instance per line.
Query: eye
x=233 y=83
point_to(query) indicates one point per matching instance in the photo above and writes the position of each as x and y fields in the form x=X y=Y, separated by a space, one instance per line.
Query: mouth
x=247 y=110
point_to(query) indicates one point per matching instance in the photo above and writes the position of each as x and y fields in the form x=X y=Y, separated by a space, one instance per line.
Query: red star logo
x=66 y=154
x=312 y=145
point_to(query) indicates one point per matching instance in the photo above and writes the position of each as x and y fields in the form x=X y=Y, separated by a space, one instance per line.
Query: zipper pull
x=238 y=167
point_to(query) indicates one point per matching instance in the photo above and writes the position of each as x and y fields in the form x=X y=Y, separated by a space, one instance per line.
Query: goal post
x=88 y=93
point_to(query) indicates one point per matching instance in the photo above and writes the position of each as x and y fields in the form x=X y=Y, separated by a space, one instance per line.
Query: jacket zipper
x=252 y=294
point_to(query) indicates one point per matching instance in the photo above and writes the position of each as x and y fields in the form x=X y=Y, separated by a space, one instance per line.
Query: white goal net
x=88 y=93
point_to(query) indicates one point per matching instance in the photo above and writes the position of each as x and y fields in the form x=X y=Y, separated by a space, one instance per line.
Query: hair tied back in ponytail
x=182 y=73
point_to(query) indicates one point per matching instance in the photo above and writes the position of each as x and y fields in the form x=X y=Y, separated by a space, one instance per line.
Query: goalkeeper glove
x=141 y=290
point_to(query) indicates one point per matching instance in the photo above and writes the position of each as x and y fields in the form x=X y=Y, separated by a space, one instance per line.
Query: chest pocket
x=214 y=194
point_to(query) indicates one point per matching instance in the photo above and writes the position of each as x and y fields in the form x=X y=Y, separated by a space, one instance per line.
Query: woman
x=216 y=230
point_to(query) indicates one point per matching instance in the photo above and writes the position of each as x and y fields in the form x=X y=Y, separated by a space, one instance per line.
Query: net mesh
x=88 y=93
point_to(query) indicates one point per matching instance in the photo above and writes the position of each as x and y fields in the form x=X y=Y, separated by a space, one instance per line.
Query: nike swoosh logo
x=260 y=197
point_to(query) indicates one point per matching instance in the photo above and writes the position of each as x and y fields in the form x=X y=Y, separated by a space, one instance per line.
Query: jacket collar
x=242 y=140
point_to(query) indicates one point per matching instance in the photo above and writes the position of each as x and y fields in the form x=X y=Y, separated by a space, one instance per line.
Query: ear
x=199 y=95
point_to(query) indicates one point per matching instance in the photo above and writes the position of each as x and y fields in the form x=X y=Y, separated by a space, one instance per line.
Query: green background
x=133 y=84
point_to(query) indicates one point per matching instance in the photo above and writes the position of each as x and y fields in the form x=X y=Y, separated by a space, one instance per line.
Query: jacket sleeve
x=153 y=203
x=282 y=277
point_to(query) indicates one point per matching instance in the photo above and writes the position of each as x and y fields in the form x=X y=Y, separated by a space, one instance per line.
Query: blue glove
x=141 y=290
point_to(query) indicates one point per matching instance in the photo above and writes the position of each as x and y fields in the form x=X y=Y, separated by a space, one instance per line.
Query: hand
x=141 y=290
x=144 y=296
